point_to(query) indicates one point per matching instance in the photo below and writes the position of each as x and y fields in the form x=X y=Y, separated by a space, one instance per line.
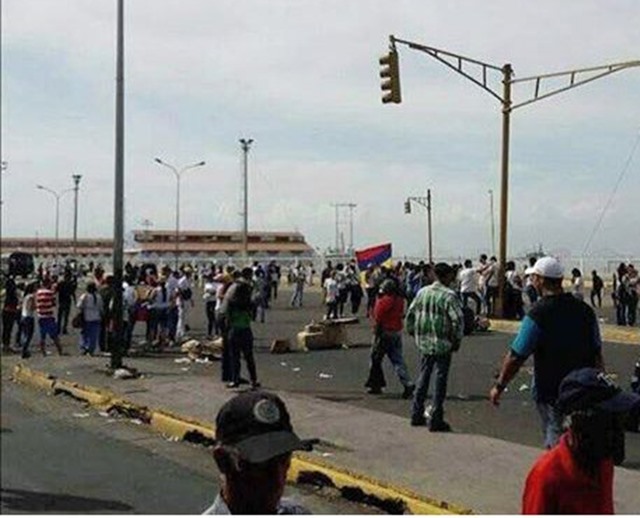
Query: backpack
x=241 y=298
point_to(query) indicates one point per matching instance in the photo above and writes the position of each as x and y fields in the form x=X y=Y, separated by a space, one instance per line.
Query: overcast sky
x=300 y=77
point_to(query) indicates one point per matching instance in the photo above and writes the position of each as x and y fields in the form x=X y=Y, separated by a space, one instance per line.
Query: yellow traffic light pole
x=575 y=78
x=425 y=201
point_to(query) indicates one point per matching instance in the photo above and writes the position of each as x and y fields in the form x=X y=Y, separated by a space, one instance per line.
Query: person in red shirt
x=387 y=340
x=576 y=476
x=45 y=309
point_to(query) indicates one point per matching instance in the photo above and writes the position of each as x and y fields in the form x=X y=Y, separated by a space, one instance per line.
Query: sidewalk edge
x=185 y=428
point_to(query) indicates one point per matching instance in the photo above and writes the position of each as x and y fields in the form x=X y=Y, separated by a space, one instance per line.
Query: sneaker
x=408 y=391
x=26 y=355
x=418 y=421
x=440 y=426
x=255 y=385
x=233 y=384
x=374 y=390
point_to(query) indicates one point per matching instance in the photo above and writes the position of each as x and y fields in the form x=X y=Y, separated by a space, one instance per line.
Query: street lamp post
x=3 y=167
x=424 y=201
x=245 y=144
x=76 y=184
x=57 y=196
x=178 y=175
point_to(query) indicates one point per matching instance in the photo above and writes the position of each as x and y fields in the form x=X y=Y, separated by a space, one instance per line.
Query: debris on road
x=523 y=387
x=325 y=376
x=205 y=349
x=280 y=346
x=81 y=415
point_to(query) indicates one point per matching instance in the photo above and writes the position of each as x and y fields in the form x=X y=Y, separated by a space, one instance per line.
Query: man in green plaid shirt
x=435 y=320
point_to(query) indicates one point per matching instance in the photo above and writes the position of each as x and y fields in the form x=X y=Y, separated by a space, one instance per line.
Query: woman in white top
x=27 y=319
x=91 y=306
x=159 y=302
x=577 y=284
x=209 y=298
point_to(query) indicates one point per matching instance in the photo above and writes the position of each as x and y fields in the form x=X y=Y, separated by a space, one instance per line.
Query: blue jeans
x=390 y=344
x=442 y=364
x=296 y=298
x=27 y=327
x=90 y=336
x=551 y=423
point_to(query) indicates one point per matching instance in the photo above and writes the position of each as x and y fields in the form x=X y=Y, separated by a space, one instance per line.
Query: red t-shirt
x=556 y=485
x=388 y=312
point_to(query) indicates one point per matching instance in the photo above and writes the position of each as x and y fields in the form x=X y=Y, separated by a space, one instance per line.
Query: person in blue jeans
x=562 y=334
x=28 y=319
x=436 y=321
x=91 y=306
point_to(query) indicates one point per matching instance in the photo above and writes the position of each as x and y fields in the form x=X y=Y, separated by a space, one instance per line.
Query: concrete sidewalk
x=470 y=472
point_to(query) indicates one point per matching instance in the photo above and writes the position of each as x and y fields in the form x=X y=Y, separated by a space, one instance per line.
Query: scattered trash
x=325 y=376
x=296 y=369
x=203 y=360
x=327 y=454
x=284 y=364
x=182 y=360
x=81 y=415
x=136 y=421
x=124 y=374
x=69 y=373
x=463 y=397
x=184 y=369
x=523 y=387
x=104 y=414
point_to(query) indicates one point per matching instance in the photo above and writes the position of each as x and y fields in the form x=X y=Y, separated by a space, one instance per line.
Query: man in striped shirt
x=435 y=320
x=45 y=309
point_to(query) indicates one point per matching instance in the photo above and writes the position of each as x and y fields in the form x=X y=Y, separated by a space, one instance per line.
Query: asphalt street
x=339 y=375
x=61 y=457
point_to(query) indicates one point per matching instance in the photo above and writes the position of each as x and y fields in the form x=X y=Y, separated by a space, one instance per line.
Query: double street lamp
x=178 y=174
x=57 y=195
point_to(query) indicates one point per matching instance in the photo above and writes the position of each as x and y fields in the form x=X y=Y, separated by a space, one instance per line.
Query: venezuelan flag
x=374 y=255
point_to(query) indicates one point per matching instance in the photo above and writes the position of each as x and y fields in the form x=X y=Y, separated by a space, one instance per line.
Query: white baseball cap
x=548 y=267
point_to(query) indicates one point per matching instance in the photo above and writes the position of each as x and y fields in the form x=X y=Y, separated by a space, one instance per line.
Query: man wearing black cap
x=576 y=476
x=254 y=443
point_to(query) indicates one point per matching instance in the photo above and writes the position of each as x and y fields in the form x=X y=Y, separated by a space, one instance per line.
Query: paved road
x=472 y=373
x=471 y=376
x=59 y=457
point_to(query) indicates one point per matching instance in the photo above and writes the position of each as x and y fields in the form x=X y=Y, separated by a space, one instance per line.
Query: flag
x=374 y=255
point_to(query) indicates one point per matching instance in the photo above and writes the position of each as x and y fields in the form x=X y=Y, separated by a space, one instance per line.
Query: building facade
x=196 y=247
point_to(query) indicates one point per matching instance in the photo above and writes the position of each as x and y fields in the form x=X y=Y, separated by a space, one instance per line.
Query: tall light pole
x=4 y=165
x=464 y=66
x=57 y=196
x=424 y=201
x=493 y=229
x=178 y=174
x=76 y=186
x=245 y=144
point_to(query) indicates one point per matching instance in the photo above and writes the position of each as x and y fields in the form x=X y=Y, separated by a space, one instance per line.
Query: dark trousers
x=63 y=316
x=332 y=309
x=596 y=295
x=241 y=342
x=475 y=297
x=371 y=300
x=9 y=318
x=210 y=309
x=632 y=310
x=442 y=363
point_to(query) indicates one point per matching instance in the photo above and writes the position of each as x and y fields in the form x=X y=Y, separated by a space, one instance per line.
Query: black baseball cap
x=258 y=425
x=589 y=388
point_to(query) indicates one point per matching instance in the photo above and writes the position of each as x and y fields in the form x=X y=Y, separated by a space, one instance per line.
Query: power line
x=613 y=193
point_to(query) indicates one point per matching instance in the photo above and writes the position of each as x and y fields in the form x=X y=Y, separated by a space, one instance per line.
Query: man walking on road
x=254 y=443
x=45 y=309
x=435 y=320
x=562 y=333
x=238 y=311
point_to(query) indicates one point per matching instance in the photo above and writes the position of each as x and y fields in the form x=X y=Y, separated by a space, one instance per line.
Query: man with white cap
x=562 y=334
x=254 y=443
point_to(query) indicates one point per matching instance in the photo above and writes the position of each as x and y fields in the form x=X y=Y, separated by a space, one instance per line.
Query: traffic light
x=407 y=207
x=390 y=73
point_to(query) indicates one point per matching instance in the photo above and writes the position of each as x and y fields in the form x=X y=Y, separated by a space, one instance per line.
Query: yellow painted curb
x=93 y=396
x=176 y=426
x=610 y=333
x=25 y=375
x=416 y=504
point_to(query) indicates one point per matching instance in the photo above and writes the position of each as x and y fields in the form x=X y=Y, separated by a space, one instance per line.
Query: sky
x=300 y=78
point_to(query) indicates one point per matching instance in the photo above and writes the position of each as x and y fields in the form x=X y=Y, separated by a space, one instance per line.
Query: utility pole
x=424 y=201
x=340 y=248
x=491 y=218
x=118 y=220
x=455 y=62
x=76 y=183
x=245 y=144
